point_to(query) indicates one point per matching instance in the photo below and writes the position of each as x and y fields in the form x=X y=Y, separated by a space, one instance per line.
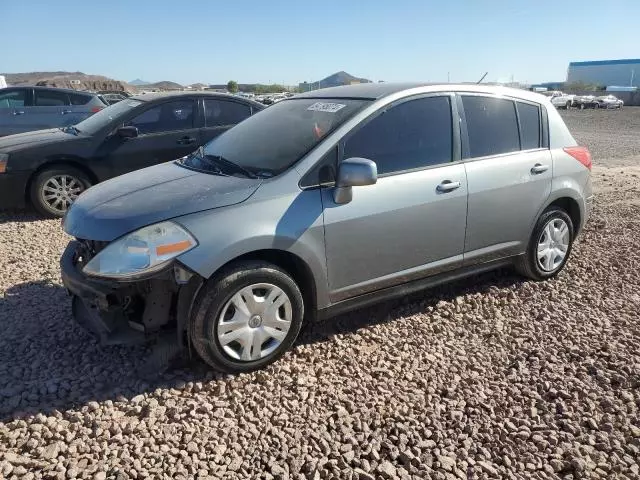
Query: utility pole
x=633 y=71
x=448 y=77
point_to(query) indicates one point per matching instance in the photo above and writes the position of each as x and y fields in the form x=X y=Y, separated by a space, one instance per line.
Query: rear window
x=492 y=125
x=49 y=98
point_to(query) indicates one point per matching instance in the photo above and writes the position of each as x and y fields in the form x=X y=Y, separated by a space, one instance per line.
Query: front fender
x=292 y=223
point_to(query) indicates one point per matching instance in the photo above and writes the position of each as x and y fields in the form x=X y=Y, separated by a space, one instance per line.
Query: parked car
x=561 y=99
x=585 y=101
x=322 y=203
x=608 y=101
x=52 y=167
x=24 y=109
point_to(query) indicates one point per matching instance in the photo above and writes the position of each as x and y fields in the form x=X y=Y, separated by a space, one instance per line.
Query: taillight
x=581 y=154
x=96 y=109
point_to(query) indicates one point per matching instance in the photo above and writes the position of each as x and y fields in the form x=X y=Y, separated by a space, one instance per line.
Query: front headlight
x=141 y=252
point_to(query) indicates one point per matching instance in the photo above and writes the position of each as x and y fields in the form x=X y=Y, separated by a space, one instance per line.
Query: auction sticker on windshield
x=326 y=107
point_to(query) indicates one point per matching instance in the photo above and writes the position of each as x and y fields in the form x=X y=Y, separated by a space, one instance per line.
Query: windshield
x=274 y=139
x=99 y=120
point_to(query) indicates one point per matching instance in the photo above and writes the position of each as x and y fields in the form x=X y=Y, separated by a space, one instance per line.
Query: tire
x=597 y=105
x=45 y=183
x=528 y=264
x=216 y=303
x=567 y=106
x=582 y=106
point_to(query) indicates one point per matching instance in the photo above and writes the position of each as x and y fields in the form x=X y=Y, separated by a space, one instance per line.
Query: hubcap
x=60 y=191
x=254 y=322
x=553 y=244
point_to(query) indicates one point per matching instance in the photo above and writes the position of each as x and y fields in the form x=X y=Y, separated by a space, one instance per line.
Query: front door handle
x=18 y=112
x=539 y=168
x=186 y=140
x=448 y=186
x=64 y=112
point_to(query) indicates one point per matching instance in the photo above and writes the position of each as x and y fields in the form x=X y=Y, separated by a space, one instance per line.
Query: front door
x=509 y=171
x=14 y=111
x=165 y=132
x=411 y=223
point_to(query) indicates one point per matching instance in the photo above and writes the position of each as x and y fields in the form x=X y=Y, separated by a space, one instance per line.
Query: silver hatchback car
x=322 y=203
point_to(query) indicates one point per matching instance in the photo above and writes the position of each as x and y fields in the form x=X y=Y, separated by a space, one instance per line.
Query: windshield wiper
x=229 y=164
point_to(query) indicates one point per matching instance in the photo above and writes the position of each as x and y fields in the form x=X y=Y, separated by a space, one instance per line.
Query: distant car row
x=566 y=101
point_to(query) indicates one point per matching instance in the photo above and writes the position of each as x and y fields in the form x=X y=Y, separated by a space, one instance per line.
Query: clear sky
x=287 y=41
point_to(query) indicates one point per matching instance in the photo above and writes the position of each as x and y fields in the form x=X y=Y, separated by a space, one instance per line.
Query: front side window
x=166 y=117
x=414 y=134
x=269 y=142
x=491 y=124
x=12 y=99
x=218 y=113
x=106 y=116
x=529 y=116
x=47 y=98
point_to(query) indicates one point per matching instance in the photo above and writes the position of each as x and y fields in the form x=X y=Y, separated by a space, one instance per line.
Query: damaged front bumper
x=128 y=311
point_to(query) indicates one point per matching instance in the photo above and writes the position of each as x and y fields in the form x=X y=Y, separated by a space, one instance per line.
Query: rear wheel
x=549 y=247
x=55 y=189
x=582 y=106
x=567 y=105
x=246 y=317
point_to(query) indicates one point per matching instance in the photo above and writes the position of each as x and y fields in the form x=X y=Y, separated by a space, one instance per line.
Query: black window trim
x=154 y=105
x=533 y=104
x=465 y=133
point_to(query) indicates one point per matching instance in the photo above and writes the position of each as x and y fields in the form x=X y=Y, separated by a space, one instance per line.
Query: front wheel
x=246 y=317
x=549 y=247
x=567 y=106
x=54 y=190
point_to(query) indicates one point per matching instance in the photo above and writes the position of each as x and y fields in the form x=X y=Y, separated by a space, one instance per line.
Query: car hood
x=20 y=141
x=124 y=204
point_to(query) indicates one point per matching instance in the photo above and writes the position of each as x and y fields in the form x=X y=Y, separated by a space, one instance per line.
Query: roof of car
x=40 y=87
x=374 y=91
x=148 y=97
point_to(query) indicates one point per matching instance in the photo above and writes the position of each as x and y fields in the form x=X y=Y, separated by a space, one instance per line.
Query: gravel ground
x=493 y=377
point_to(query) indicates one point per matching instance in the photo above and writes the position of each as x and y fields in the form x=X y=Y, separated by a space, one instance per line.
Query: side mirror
x=127 y=132
x=353 y=172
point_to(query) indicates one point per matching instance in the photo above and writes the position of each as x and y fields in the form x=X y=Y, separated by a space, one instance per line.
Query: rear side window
x=167 y=117
x=77 y=99
x=219 y=113
x=12 y=99
x=529 y=116
x=414 y=134
x=47 y=98
x=491 y=124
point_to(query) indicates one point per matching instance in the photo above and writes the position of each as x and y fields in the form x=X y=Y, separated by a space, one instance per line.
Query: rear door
x=51 y=109
x=167 y=131
x=220 y=115
x=509 y=171
x=14 y=118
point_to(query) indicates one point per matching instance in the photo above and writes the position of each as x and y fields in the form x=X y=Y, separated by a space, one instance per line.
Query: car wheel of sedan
x=582 y=106
x=246 y=317
x=549 y=247
x=55 y=189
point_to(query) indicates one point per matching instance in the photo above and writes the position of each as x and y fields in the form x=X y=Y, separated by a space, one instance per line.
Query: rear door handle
x=64 y=112
x=18 y=112
x=539 y=168
x=186 y=141
x=448 y=186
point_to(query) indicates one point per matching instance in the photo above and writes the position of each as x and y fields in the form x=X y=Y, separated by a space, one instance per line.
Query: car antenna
x=480 y=81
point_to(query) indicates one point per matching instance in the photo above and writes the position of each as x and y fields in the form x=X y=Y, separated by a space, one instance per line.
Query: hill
x=74 y=80
x=164 y=85
x=138 y=83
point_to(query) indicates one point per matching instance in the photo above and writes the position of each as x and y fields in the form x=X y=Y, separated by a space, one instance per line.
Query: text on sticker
x=326 y=107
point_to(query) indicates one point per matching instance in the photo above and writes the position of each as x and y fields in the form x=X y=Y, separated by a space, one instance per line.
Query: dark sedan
x=50 y=168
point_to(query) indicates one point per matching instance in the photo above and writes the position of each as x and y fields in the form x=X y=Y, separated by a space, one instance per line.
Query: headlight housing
x=141 y=252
